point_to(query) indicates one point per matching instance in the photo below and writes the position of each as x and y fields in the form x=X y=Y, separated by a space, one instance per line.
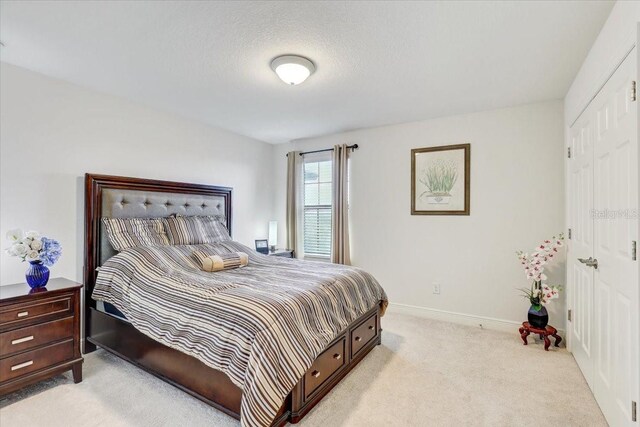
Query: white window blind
x=317 y=206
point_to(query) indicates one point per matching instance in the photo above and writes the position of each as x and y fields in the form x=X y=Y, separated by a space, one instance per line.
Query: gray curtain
x=293 y=176
x=340 y=252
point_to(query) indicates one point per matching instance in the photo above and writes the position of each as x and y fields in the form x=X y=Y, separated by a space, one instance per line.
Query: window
x=317 y=206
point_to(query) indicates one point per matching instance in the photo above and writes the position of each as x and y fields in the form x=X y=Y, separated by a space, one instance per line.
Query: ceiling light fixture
x=292 y=69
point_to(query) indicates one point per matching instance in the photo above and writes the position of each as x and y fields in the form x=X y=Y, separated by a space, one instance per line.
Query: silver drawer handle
x=23 y=313
x=337 y=356
x=358 y=339
x=22 y=365
x=315 y=374
x=21 y=340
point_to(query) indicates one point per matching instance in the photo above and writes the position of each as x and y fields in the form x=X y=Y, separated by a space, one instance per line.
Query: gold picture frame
x=441 y=180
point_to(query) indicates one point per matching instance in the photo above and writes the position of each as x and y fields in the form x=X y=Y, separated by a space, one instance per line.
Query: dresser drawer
x=16 y=314
x=324 y=367
x=364 y=334
x=34 y=360
x=22 y=339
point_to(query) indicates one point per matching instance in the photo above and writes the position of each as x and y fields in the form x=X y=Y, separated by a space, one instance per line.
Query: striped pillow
x=222 y=261
x=126 y=233
x=195 y=230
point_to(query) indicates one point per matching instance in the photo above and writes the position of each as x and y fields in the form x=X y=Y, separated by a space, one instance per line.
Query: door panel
x=603 y=337
x=616 y=279
x=622 y=392
x=580 y=277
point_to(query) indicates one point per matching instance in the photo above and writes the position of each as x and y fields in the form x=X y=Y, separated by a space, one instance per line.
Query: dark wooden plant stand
x=527 y=329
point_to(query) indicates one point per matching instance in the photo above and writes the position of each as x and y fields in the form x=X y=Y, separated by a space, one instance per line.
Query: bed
x=263 y=344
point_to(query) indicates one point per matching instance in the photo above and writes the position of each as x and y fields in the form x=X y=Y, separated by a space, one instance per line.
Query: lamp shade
x=273 y=233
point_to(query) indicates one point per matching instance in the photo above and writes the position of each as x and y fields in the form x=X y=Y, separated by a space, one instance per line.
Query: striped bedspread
x=263 y=325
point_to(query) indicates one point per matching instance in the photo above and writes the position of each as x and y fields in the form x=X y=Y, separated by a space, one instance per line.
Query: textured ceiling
x=377 y=62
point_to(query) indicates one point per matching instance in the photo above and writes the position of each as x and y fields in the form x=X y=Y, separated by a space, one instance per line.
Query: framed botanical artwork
x=440 y=180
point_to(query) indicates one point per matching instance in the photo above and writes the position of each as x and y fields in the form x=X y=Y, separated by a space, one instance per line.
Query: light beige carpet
x=425 y=373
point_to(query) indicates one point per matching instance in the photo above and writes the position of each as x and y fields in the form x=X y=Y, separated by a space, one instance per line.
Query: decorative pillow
x=195 y=230
x=126 y=233
x=222 y=261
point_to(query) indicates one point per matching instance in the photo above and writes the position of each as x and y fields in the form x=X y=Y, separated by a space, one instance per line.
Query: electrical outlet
x=436 y=288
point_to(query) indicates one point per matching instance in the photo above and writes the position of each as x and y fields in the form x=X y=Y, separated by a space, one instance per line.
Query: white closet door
x=615 y=380
x=580 y=244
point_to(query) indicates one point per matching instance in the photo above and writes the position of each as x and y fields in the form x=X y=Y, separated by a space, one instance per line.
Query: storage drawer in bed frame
x=214 y=387
x=335 y=363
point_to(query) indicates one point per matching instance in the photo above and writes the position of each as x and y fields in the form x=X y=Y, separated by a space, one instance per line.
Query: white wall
x=517 y=199
x=617 y=37
x=619 y=34
x=52 y=132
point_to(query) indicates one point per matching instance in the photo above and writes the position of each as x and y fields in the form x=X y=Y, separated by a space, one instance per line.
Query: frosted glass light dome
x=292 y=69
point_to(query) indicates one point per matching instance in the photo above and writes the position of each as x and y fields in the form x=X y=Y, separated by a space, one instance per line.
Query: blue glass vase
x=37 y=274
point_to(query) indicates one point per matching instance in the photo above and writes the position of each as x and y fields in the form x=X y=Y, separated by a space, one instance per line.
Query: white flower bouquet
x=31 y=247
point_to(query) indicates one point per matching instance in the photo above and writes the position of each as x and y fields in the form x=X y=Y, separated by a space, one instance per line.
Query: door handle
x=589 y=262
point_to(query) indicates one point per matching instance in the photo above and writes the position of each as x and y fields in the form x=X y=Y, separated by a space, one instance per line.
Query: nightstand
x=39 y=333
x=284 y=253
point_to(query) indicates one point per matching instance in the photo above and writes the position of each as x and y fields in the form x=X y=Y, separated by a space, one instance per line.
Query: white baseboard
x=460 y=318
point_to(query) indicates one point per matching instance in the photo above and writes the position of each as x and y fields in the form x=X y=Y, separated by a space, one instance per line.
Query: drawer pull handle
x=23 y=314
x=22 y=365
x=21 y=340
x=315 y=374
x=371 y=327
x=358 y=339
x=337 y=356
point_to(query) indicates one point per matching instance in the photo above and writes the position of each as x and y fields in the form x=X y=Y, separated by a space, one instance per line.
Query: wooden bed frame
x=186 y=372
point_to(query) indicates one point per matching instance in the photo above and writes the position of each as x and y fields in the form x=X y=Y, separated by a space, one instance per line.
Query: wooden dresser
x=39 y=333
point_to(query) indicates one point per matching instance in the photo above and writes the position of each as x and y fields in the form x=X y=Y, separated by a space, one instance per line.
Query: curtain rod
x=351 y=147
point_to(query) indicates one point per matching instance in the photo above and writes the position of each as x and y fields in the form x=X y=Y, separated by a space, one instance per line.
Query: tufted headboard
x=125 y=203
x=122 y=197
